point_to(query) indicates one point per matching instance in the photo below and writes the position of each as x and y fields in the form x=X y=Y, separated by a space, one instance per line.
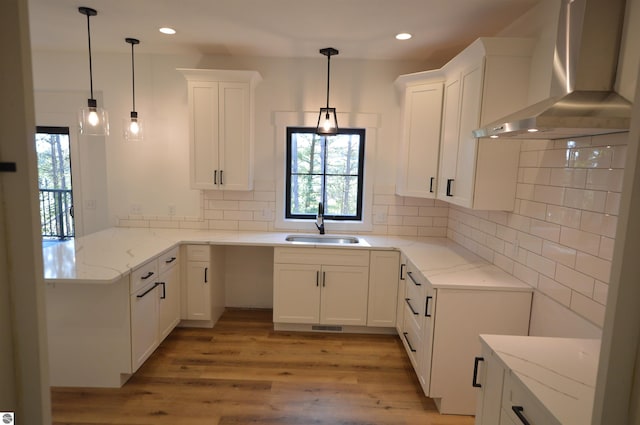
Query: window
x=54 y=181
x=327 y=169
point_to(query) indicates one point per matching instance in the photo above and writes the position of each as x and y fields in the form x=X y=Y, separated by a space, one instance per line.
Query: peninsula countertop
x=106 y=256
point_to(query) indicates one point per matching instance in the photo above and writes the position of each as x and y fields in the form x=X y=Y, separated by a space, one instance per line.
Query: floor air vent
x=326 y=328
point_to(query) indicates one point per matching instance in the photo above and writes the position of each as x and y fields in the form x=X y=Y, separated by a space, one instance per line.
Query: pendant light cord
x=133 y=79
x=90 y=65
x=328 y=77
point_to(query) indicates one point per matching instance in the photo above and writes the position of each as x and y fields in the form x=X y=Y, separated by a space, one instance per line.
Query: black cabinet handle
x=221 y=181
x=147 y=276
x=431 y=184
x=411 y=307
x=164 y=290
x=206 y=269
x=413 y=350
x=171 y=260
x=476 y=361
x=426 y=307
x=148 y=290
x=317 y=277
x=449 y=181
x=215 y=176
x=402 y=267
x=324 y=279
x=413 y=279
x=519 y=411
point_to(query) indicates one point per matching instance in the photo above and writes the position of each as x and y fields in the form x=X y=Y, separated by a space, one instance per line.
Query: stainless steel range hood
x=585 y=58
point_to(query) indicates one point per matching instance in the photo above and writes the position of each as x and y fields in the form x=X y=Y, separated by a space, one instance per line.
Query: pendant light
x=328 y=120
x=133 y=125
x=94 y=121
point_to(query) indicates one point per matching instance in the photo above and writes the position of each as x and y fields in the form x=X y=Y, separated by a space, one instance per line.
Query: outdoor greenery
x=54 y=181
x=325 y=169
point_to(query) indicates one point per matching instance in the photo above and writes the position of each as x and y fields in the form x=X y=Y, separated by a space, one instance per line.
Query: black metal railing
x=56 y=213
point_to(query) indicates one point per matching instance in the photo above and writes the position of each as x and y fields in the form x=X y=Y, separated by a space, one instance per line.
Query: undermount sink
x=322 y=239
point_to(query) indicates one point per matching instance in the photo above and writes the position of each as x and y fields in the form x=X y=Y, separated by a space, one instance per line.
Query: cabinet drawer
x=332 y=256
x=514 y=395
x=411 y=338
x=197 y=252
x=143 y=275
x=168 y=260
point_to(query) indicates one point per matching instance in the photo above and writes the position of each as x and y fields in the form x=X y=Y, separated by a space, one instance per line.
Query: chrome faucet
x=320 y=218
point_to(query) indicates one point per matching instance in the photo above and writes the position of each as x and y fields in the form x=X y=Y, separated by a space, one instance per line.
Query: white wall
x=144 y=179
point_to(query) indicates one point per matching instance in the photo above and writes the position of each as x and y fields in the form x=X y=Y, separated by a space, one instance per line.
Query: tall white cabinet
x=486 y=81
x=420 y=140
x=221 y=128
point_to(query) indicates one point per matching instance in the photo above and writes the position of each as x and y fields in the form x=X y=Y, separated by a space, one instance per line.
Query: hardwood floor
x=242 y=372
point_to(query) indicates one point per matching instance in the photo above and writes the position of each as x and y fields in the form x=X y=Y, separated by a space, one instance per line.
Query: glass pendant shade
x=93 y=121
x=133 y=128
x=327 y=122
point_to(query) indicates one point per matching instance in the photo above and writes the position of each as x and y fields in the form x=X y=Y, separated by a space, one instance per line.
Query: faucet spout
x=320 y=218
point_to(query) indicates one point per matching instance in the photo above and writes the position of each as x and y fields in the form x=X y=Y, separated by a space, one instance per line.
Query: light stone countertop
x=106 y=256
x=559 y=372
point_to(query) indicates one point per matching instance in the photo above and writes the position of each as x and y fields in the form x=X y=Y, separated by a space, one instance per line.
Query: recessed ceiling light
x=403 y=36
x=167 y=30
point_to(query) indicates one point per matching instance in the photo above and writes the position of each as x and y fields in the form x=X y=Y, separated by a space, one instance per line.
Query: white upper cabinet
x=221 y=128
x=420 y=140
x=486 y=81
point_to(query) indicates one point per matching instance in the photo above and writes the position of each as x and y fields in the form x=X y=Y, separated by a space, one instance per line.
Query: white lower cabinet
x=320 y=286
x=383 y=288
x=144 y=324
x=198 y=288
x=502 y=399
x=440 y=333
x=169 y=306
x=154 y=304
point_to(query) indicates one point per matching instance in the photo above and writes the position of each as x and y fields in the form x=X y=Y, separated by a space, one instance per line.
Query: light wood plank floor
x=242 y=372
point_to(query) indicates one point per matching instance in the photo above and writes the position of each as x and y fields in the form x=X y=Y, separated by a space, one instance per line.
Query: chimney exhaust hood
x=582 y=101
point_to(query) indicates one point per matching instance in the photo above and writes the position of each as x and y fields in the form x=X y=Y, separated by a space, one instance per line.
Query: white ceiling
x=275 y=28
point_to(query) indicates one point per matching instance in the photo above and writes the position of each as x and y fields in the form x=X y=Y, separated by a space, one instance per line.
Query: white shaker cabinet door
x=198 y=291
x=296 y=293
x=344 y=292
x=144 y=324
x=169 y=300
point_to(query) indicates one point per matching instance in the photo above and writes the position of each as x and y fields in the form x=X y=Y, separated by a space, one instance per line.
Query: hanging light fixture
x=133 y=125
x=328 y=120
x=94 y=121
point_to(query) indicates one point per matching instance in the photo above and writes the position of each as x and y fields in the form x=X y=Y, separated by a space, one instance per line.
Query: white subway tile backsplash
x=223 y=225
x=611 y=139
x=237 y=195
x=568 y=177
x=554 y=158
x=536 y=175
x=605 y=179
x=545 y=230
x=592 y=157
x=536 y=145
x=606 y=248
x=559 y=253
x=264 y=196
x=555 y=290
x=419 y=202
x=525 y=274
x=529 y=158
x=590 y=200
x=402 y=210
x=434 y=211
x=417 y=221
x=612 y=205
x=588 y=308
x=214 y=214
x=600 y=224
x=569 y=217
x=619 y=157
x=594 y=266
x=580 y=240
x=600 y=292
x=530 y=242
x=540 y=264
x=223 y=205
x=575 y=280
x=549 y=194
x=533 y=209
x=572 y=142
x=503 y=262
x=440 y=232
x=238 y=215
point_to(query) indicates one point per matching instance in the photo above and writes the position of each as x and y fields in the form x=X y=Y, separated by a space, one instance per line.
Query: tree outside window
x=327 y=169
